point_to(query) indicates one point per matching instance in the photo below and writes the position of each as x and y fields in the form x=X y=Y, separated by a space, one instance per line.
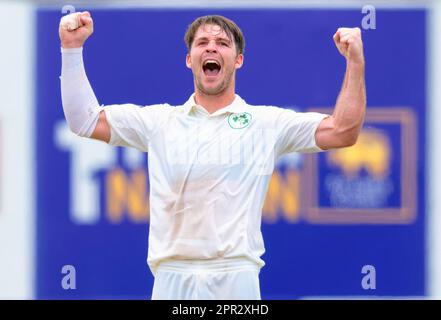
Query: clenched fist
x=75 y=28
x=349 y=44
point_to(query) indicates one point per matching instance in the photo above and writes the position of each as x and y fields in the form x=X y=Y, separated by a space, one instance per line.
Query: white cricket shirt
x=209 y=173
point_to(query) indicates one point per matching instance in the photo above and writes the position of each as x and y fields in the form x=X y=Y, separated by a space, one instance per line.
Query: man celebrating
x=210 y=159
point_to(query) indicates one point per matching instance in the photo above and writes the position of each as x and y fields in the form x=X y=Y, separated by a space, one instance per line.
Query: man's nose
x=211 y=46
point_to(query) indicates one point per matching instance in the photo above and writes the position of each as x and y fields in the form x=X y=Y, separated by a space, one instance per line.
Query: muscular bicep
x=102 y=129
x=329 y=136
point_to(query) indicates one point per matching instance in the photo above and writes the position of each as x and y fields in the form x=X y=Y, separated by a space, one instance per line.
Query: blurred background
x=361 y=222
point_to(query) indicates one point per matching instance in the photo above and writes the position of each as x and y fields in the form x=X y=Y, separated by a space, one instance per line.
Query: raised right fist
x=75 y=28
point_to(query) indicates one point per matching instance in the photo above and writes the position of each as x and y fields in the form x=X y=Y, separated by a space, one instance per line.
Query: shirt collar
x=237 y=106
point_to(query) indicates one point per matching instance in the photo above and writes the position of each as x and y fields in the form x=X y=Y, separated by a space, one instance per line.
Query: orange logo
x=372 y=152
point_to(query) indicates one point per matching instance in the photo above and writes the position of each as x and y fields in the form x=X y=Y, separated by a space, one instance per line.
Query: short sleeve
x=134 y=126
x=296 y=131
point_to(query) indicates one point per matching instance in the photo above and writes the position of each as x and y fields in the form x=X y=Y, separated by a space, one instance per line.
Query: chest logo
x=239 y=120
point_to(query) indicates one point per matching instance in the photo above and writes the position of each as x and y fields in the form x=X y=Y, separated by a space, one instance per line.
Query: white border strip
x=433 y=168
x=17 y=216
x=226 y=4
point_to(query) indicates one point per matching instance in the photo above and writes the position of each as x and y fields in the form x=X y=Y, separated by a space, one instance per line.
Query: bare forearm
x=342 y=128
x=350 y=107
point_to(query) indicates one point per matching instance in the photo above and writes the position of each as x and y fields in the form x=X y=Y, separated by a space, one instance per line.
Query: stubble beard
x=219 y=89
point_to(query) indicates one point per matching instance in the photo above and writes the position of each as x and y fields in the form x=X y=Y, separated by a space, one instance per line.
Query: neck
x=212 y=103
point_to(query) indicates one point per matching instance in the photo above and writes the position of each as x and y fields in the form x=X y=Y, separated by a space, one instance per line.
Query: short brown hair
x=228 y=26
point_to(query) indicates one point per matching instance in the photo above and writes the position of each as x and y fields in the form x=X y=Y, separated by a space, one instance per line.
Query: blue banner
x=330 y=219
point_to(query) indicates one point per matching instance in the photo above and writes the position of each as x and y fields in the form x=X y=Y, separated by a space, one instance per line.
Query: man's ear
x=239 y=61
x=188 y=61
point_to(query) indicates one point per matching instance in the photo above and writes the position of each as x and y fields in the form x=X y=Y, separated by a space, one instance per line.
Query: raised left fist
x=349 y=44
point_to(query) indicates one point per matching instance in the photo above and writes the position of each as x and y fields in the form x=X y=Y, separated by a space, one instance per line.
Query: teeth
x=211 y=61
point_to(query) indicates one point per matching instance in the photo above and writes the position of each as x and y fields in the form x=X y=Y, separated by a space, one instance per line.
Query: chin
x=212 y=91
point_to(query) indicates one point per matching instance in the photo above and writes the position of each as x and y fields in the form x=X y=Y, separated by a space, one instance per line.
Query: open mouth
x=211 y=68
